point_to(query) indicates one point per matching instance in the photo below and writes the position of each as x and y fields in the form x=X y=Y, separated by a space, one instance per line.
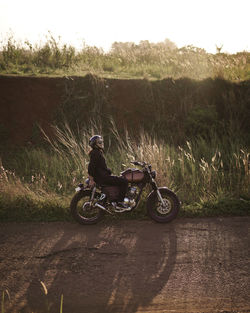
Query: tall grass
x=147 y=60
x=5 y=292
x=209 y=177
x=45 y=292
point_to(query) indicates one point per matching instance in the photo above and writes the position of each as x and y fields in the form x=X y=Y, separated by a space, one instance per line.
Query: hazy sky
x=202 y=23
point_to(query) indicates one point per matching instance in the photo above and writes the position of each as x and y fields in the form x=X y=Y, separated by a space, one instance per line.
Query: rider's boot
x=124 y=203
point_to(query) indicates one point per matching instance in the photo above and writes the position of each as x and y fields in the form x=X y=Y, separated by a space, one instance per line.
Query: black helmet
x=93 y=139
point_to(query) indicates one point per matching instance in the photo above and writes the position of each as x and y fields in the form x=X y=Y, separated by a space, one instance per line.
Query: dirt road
x=189 y=265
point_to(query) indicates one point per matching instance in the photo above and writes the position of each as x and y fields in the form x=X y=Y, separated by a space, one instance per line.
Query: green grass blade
x=61 y=306
x=2 y=304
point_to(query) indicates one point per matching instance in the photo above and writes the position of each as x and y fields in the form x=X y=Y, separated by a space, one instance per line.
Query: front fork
x=160 y=197
x=155 y=187
x=92 y=196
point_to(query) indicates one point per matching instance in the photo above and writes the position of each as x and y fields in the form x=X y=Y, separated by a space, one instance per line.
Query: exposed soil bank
x=156 y=106
x=189 y=265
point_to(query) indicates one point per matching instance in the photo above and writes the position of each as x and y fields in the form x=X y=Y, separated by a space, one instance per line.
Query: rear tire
x=81 y=210
x=159 y=213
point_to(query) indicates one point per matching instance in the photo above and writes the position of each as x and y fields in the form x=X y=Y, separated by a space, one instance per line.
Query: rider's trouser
x=119 y=181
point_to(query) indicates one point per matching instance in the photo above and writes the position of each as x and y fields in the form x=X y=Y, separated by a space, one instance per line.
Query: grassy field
x=124 y=60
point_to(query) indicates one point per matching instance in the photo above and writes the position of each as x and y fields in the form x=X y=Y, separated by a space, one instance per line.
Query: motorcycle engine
x=131 y=195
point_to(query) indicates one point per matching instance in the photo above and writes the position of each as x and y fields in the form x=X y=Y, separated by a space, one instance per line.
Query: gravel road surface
x=128 y=266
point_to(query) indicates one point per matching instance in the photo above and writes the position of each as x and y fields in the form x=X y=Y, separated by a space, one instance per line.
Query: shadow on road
x=104 y=268
x=189 y=265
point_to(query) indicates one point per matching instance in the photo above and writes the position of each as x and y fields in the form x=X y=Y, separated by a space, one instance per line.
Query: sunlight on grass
x=45 y=291
x=201 y=174
x=3 y=299
x=127 y=60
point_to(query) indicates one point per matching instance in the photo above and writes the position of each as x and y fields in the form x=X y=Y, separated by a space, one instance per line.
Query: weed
x=3 y=299
x=151 y=60
x=204 y=173
x=61 y=304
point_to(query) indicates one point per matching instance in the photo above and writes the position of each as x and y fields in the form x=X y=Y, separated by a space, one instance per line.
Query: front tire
x=160 y=213
x=82 y=211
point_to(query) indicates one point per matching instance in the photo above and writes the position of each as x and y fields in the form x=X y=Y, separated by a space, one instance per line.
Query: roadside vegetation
x=194 y=133
x=124 y=60
x=211 y=177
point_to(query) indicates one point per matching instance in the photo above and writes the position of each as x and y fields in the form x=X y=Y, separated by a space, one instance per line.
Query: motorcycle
x=90 y=203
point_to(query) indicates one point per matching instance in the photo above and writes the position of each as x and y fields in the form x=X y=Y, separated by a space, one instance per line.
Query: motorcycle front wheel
x=163 y=213
x=82 y=211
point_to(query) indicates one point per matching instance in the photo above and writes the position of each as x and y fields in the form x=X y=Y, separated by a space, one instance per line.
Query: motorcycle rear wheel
x=82 y=211
x=160 y=213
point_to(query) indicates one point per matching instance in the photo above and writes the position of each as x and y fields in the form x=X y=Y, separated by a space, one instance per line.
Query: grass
x=2 y=303
x=124 y=60
x=210 y=175
x=44 y=288
x=210 y=178
x=5 y=292
x=198 y=142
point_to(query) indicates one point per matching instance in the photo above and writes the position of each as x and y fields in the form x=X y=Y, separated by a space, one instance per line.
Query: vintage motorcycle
x=90 y=204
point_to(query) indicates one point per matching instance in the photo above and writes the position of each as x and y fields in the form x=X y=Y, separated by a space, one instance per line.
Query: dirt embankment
x=30 y=101
x=26 y=101
x=158 y=106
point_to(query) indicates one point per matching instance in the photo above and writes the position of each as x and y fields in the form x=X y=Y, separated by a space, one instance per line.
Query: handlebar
x=138 y=163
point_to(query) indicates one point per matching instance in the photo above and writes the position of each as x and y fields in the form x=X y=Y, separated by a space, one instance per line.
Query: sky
x=201 y=23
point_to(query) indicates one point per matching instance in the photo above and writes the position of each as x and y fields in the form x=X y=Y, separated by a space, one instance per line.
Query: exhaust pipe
x=102 y=207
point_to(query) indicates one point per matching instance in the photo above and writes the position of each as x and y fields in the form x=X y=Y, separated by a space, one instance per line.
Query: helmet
x=93 y=139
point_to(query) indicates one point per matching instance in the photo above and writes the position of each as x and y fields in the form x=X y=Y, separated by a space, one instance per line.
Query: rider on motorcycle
x=100 y=173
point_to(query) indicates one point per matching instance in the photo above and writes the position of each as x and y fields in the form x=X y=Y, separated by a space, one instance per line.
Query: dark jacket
x=97 y=166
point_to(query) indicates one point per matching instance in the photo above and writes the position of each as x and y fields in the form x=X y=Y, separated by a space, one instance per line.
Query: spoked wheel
x=82 y=211
x=166 y=211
